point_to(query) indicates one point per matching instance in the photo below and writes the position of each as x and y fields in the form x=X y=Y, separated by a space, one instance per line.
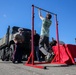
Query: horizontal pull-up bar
x=44 y=10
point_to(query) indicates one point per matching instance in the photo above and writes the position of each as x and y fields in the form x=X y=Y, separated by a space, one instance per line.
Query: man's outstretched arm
x=40 y=15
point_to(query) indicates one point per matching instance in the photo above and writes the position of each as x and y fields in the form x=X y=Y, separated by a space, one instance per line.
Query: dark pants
x=37 y=53
x=17 y=56
x=44 y=44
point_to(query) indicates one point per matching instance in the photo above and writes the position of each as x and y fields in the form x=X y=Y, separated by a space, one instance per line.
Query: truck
x=7 y=44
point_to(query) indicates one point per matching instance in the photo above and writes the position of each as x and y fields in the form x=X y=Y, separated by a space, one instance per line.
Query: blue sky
x=18 y=13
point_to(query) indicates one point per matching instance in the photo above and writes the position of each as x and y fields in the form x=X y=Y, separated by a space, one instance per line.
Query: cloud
x=4 y=15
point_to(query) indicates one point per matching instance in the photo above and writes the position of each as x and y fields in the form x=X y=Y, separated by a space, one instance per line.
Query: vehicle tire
x=11 y=52
x=3 y=54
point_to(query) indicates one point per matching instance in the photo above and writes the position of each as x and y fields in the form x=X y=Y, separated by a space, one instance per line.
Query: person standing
x=36 y=45
x=51 y=44
x=18 y=39
x=44 y=36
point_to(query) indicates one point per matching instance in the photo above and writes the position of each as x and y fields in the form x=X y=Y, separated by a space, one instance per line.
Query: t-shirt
x=18 y=37
x=45 y=27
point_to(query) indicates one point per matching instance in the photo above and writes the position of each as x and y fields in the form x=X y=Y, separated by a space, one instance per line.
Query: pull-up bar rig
x=30 y=61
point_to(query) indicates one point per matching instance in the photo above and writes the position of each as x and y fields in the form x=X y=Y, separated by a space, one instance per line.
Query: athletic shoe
x=49 y=57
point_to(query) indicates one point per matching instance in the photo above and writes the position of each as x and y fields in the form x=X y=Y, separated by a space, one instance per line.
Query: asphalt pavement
x=8 y=68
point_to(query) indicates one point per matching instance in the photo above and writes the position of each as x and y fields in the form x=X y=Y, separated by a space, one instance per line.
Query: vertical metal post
x=7 y=36
x=57 y=37
x=32 y=34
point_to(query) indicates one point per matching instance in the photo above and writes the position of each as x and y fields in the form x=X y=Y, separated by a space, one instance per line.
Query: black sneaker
x=13 y=62
x=19 y=62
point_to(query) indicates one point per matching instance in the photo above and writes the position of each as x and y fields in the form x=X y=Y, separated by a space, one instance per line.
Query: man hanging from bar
x=44 y=36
